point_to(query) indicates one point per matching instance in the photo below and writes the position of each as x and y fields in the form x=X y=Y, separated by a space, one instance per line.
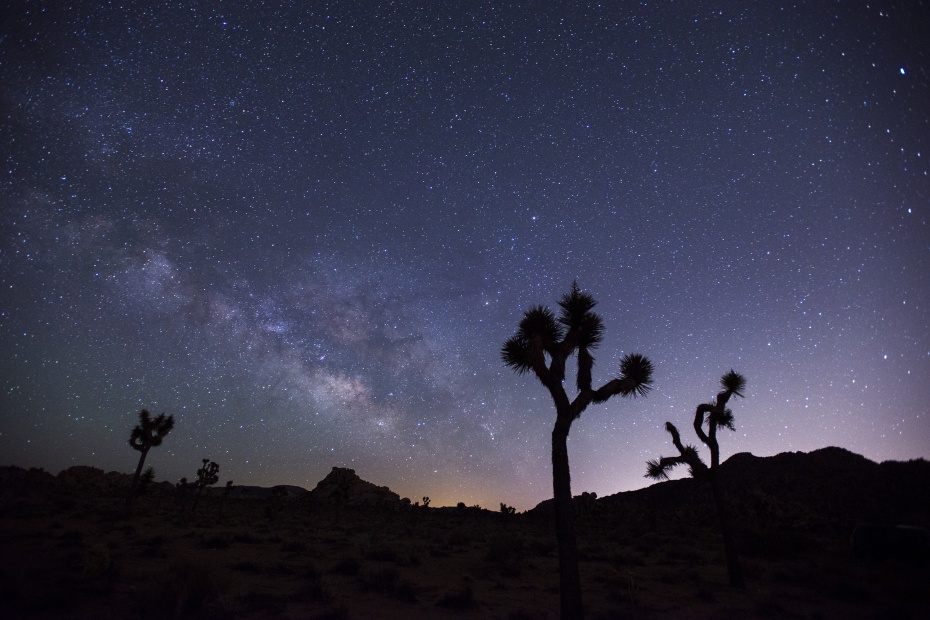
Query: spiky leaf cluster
x=723 y=419
x=586 y=326
x=150 y=432
x=733 y=382
x=208 y=475
x=539 y=333
x=635 y=375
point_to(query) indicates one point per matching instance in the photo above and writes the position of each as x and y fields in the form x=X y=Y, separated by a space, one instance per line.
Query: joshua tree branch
x=699 y=414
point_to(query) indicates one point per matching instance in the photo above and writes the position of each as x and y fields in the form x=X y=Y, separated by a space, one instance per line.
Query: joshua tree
x=147 y=434
x=208 y=475
x=146 y=480
x=542 y=345
x=716 y=415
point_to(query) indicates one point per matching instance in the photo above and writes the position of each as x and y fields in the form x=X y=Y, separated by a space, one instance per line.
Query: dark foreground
x=73 y=552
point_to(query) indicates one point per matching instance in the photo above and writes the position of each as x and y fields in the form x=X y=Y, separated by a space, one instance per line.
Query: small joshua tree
x=147 y=434
x=146 y=480
x=717 y=416
x=542 y=345
x=426 y=501
x=208 y=475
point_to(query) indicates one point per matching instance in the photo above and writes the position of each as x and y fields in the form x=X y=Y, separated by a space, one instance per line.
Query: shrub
x=294 y=547
x=189 y=588
x=506 y=552
x=346 y=566
x=463 y=598
x=218 y=541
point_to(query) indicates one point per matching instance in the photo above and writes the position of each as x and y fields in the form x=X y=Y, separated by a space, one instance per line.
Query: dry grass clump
x=188 y=588
x=461 y=599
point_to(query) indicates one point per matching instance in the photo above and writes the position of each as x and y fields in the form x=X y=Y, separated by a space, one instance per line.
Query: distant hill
x=827 y=486
x=245 y=491
x=831 y=487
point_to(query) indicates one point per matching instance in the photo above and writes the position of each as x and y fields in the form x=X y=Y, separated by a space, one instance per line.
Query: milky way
x=306 y=232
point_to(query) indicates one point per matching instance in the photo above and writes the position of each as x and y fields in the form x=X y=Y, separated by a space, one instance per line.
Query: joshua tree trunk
x=135 y=478
x=729 y=544
x=717 y=416
x=569 y=577
x=542 y=345
x=195 y=502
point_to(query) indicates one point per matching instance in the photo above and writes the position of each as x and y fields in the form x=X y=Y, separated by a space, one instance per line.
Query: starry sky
x=306 y=229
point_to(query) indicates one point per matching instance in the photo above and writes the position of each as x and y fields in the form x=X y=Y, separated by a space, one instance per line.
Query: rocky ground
x=71 y=550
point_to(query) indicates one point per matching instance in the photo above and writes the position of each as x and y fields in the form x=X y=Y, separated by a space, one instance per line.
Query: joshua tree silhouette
x=208 y=475
x=542 y=345
x=147 y=434
x=717 y=416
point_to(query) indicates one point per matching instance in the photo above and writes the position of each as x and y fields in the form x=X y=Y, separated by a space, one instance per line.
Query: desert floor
x=80 y=555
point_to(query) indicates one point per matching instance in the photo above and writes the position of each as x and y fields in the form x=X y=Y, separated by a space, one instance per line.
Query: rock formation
x=343 y=487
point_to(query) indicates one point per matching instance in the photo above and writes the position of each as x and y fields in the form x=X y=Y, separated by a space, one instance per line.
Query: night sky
x=306 y=232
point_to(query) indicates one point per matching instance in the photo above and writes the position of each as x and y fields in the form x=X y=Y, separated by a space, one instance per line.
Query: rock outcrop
x=343 y=487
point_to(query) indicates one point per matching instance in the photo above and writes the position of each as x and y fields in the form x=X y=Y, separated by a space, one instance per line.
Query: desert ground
x=73 y=551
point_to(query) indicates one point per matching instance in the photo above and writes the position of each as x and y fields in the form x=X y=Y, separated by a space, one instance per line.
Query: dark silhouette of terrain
x=71 y=551
x=827 y=487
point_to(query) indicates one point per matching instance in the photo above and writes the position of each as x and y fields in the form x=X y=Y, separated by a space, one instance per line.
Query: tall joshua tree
x=542 y=345
x=147 y=434
x=716 y=416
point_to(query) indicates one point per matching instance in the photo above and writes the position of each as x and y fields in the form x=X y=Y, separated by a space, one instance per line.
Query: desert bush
x=410 y=559
x=771 y=543
x=153 y=547
x=71 y=538
x=190 y=588
x=463 y=598
x=247 y=567
x=282 y=568
x=379 y=551
x=254 y=602
x=314 y=590
x=770 y=607
x=458 y=537
x=217 y=541
x=542 y=546
x=246 y=538
x=294 y=547
x=506 y=553
x=97 y=561
x=386 y=580
x=440 y=551
x=347 y=565
x=378 y=579
x=706 y=593
x=336 y=613
x=405 y=591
